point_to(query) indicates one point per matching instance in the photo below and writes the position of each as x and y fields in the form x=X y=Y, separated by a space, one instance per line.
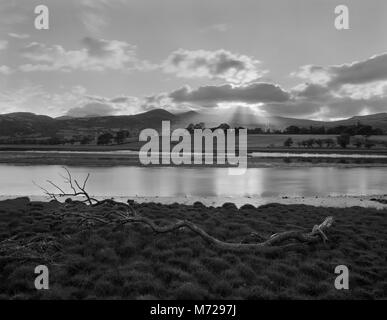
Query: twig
x=76 y=188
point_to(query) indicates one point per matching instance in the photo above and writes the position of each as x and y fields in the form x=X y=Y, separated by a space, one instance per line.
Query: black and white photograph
x=213 y=151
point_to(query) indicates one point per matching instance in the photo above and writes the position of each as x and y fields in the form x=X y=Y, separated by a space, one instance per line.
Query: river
x=199 y=182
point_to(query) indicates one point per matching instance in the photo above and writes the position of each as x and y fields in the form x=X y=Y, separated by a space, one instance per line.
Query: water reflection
x=168 y=182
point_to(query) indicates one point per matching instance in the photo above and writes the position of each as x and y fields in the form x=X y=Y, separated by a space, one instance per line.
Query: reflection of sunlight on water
x=248 y=184
x=201 y=182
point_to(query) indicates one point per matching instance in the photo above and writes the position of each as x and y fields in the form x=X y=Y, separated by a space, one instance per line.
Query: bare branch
x=76 y=189
x=275 y=240
x=54 y=185
x=125 y=214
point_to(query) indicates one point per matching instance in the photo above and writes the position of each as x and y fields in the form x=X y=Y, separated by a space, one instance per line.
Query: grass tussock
x=96 y=261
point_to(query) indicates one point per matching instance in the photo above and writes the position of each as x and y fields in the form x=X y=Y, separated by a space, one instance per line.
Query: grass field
x=255 y=142
x=131 y=262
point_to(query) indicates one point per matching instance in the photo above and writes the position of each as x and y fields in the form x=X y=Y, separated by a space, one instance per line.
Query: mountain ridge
x=19 y=124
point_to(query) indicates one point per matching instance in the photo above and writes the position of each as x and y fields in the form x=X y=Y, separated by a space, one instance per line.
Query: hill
x=377 y=120
x=150 y=119
x=28 y=125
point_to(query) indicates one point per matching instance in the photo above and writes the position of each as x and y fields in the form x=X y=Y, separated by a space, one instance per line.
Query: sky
x=112 y=57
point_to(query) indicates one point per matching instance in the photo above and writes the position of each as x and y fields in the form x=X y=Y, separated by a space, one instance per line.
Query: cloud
x=292 y=108
x=122 y=99
x=342 y=91
x=94 y=21
x=5 y=70
x=93 y=14
x=73 y=101
x=18 y=35
x=220 y=64
x=3 y=44
x=330 y=93
x=34 y=99
x=360 y=72
x=92 y=109
x=101 y=106
x=252 y=93
x=96 y=55
x=311 y=91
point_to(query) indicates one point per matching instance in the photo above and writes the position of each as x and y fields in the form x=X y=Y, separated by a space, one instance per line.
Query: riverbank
x=94 y=260
x=131 y=158
x=369 y=201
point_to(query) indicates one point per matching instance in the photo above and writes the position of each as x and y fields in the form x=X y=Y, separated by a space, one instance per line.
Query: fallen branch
x=317 y=234
x=126 y=214
x=285 y=238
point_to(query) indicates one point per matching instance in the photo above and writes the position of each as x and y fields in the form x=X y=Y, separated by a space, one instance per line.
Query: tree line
x=342 y=140
x=352 y=130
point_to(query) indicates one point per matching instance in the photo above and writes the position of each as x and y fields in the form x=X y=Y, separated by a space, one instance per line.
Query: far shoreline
x=104 y=158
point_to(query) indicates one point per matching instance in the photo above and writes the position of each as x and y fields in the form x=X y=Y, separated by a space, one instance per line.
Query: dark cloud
x=359 y=72
x=370 y=70
x=333 y=108
x=95 y=54
x=119 y=100
x=102 y=48
x=315 y=91
x=219 y=64
x=341 y=91
x=91 y=110
x=347 y=107
x=252 y=93
x=293 y=109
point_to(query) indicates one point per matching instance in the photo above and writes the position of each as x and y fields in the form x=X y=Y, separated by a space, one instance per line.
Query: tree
x=255 y=131
x=310 y=142
x=358 y=143
x=121 y=135
x=86 y=140
x=292 y=130
x=223 y=126
x=343 y=140
x=288 y=142
x=191 y=128
x=319 y=142
x=105 y=138
x=329 y=142
x=369 y=144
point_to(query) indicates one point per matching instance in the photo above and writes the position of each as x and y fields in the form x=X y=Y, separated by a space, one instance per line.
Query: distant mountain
x=377 y=120
x=150 y=119
x=245 y=117
x=24 y=124
x=64 y=118
x=242 y=117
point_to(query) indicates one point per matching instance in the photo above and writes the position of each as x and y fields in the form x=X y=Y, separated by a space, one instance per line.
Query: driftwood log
x=276 y=240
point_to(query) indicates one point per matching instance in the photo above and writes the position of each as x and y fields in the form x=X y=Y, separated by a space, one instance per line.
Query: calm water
x=132 y=181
